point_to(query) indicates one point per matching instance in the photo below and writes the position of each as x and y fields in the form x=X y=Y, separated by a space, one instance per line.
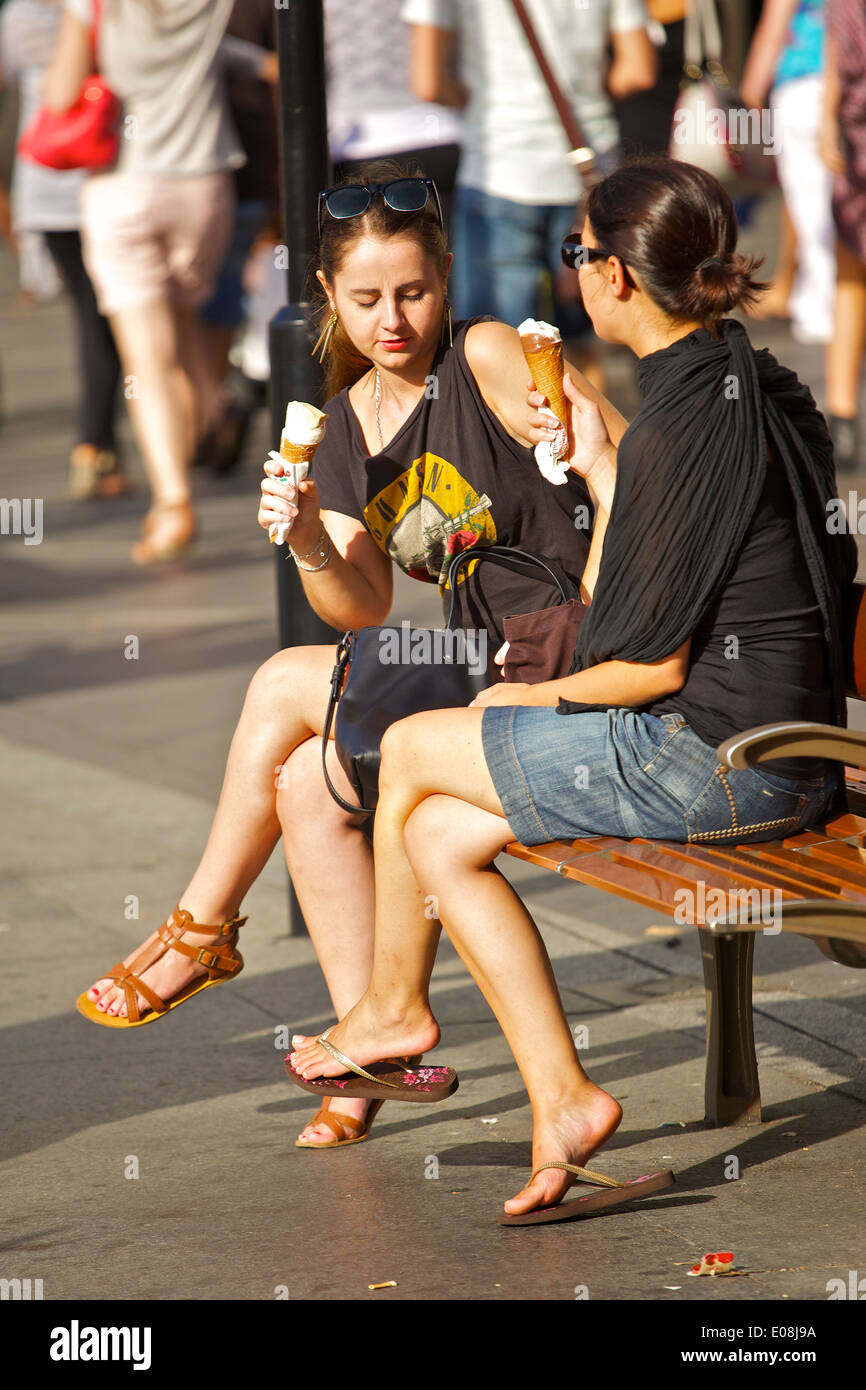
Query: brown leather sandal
x=340 y=1125
x=334 y=1120
x=167 y=531
x=221 y=961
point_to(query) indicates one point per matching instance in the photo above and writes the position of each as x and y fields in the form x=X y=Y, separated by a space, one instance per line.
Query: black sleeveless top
x=452 y=477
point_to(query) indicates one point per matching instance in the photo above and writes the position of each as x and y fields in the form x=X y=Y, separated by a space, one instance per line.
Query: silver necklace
x=378 y=407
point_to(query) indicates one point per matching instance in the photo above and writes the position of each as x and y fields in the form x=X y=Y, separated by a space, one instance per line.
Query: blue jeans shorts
x=627 y=774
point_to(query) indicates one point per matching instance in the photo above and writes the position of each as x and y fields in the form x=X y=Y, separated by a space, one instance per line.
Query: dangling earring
x=324 y=339
x=447 y=322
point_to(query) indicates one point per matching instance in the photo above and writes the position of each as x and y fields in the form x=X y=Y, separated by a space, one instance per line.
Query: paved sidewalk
x=179 y=1142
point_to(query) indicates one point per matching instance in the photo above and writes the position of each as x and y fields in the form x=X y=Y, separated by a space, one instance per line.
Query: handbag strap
x=581 y=152
x=509 y=557
x=345 y=652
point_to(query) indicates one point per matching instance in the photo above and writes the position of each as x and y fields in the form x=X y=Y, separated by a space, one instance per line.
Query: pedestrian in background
x=513 y=139
x=645 y=117
x=372 y=110
x=156 y=226
x=787 y=55
x=253 y=108
x=46 y=202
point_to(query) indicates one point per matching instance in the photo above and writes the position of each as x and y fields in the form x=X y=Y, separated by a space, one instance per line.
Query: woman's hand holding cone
x=591 y=451
x=282 y=501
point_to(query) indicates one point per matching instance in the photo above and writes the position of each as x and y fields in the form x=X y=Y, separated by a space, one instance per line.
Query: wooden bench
x=817 y=878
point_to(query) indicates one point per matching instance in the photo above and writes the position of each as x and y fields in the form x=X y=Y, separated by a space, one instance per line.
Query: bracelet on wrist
x=319 y=546
x=311 y=569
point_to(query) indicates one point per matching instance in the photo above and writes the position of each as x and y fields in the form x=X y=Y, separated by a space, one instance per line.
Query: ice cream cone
x=545 y=363
x=296 y=453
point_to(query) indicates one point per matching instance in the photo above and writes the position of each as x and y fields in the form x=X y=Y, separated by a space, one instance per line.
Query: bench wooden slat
x=818 y=875
x=824 y=862
x=736 y=863
x=848 y=861
x=614 y=873
x=737 y=867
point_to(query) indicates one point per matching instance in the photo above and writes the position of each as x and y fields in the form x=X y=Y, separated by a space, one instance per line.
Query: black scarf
x=690 y=472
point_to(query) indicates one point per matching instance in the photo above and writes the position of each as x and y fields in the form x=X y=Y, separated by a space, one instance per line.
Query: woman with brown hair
x=716 y=605
x=427 y=451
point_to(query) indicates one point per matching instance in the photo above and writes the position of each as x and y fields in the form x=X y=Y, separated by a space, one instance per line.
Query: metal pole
x=305 y=168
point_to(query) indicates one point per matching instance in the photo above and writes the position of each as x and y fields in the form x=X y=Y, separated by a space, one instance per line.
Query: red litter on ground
x=720 y=1262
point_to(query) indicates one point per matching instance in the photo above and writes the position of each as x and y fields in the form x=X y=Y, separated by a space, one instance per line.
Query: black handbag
x=387 y=673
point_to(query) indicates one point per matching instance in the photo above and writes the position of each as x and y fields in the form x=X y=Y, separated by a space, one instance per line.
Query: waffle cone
x=296 y=453
x=546 y=365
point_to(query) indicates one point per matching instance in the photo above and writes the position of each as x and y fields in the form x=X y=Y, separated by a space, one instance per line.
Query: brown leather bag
x=541 y=645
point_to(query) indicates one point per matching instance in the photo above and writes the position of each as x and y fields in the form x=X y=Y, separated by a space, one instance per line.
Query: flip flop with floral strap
x=388 y=1080
x=615 y=1194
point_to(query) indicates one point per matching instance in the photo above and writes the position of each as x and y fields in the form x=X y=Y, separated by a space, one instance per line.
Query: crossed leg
x=439 y=825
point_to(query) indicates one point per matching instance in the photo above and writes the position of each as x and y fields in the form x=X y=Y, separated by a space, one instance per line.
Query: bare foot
x=366 y=1037
x=571 y=1135
x=321 y=1134
x=168 y=975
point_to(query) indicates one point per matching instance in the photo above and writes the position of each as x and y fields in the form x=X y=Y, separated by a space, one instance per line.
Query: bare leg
x=285 y=705
x=204 y=350
x=331 y=865
x=426 y=843
x=845 y=349
x=160 y=395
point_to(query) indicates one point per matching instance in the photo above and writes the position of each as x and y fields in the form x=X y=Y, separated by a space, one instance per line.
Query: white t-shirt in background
x=167 y=67
x=514 y=145
x=371 y=109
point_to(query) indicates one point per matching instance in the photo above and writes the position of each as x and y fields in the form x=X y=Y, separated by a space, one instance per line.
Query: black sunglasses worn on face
x=403 y=195
x=575 y=254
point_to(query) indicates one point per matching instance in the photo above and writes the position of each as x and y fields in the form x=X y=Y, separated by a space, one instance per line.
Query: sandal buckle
x=213 y=960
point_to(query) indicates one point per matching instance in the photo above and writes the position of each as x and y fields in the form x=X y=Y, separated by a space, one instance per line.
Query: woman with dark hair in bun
x=714 y=594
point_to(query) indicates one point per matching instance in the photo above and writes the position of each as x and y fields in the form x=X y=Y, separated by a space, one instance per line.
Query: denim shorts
x=629 y=774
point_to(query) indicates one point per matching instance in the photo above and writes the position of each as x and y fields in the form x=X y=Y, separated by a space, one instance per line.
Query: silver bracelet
x=318 y=546
x=311 y=569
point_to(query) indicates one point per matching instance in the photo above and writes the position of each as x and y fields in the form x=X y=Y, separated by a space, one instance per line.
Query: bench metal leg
x=732 y=1095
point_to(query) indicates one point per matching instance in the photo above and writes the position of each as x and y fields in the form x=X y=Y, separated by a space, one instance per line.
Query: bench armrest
x=794 y=740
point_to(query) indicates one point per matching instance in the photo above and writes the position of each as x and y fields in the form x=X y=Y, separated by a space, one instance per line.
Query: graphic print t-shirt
x=452 y=478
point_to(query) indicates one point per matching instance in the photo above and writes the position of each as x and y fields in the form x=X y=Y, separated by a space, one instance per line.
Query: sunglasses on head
x=403 y=195
x=575 y=254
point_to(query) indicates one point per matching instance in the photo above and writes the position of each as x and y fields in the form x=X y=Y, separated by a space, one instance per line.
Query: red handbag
x=85 y=136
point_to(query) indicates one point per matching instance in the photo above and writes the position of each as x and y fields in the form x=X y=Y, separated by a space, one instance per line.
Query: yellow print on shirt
x=428 y=514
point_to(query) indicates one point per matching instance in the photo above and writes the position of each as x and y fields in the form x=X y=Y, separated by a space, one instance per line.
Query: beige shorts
x=148 y=237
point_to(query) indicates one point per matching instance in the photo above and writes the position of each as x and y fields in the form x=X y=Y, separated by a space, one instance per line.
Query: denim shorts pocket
x=650 y=737
x=675 y=725
x=739 y=806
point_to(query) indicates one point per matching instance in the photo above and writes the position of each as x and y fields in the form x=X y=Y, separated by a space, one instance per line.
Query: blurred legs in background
x=94 y=469
x=227 y=414
x=153 y=247
x=807 y=187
